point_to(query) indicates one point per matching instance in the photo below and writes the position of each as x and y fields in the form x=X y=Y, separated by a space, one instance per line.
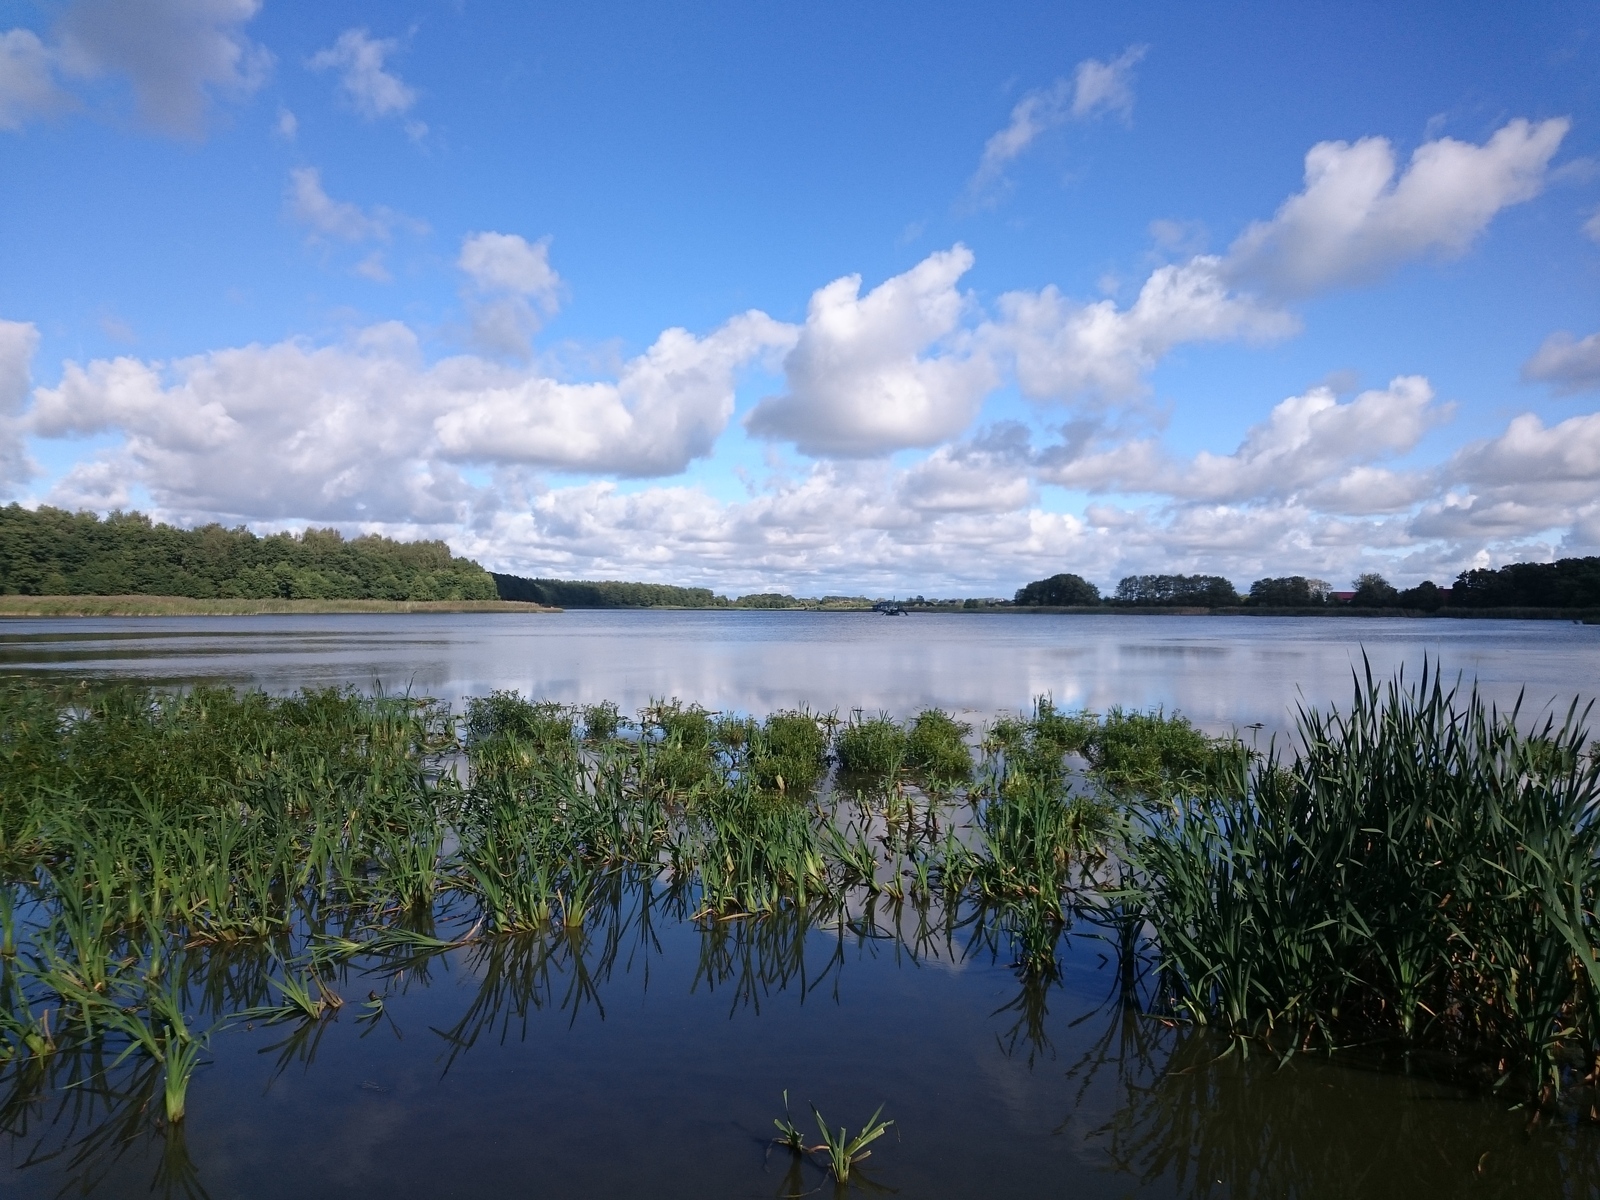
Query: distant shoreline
x=183 y=606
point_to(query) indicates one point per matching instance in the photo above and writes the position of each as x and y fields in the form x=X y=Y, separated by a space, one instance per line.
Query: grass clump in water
x=936 y=748
x=872 y=747
x=1422 y=873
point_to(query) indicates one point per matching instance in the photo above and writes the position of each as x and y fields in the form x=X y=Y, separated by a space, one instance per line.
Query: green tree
x=1374 y=591
x=1059 y=590
x=1288 y=591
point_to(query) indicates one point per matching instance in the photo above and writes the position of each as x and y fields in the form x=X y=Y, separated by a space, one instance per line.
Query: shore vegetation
x=1419 y=872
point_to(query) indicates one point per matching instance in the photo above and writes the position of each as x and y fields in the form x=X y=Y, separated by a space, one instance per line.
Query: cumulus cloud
x=665 y=409
x=1312 y=449
x=883 y=372
x=27 y=84
x=372 y=90
x=987 y=474
x=1063 y=349
x=1567 y=363
x=18 y=342
x=1312 y=439
x=177 y=55
x=1355 y=221
x=515 y=288
x=310 y=205
x=366 y=430
x=1095 y=89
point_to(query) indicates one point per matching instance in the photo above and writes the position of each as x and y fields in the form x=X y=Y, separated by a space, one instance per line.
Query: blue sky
x=827 y=297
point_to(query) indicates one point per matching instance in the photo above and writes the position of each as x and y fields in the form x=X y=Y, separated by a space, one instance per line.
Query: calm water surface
x=645 y=1055
x=1224 y=672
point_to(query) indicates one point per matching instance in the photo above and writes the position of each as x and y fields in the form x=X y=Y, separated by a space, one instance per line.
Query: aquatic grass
x=845 y=1150
x=1423 y=870
x=872 y=747
x=937 y=750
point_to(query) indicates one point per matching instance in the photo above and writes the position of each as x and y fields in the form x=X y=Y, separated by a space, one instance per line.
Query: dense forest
x=586 y=593
x=1570 y=583
x=51 y=552
x=1566 y=583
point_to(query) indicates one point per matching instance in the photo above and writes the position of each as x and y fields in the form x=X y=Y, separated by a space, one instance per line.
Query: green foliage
x=769 y=600
x=872 y=747
x=1423 y=871
x=937 y=750
x=583 y=593
x=51 y=552
x=1151 y=755
x=1566 y=583
x=1374 y=591
x=1058 y=590
x=1425 y=597
x=1289 y=591
x=1210 y=591
x=788 y=752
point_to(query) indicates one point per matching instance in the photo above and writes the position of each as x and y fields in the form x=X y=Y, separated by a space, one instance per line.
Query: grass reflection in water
x=175 y=864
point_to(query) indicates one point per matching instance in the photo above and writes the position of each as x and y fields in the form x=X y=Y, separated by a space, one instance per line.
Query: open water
x=1222 y=672
x=646 y=1054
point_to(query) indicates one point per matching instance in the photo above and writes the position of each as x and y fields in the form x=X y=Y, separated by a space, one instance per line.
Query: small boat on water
x=888 y=608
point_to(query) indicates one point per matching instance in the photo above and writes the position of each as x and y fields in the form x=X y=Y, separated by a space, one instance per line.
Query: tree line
x=1568 y=583
x=52 y=552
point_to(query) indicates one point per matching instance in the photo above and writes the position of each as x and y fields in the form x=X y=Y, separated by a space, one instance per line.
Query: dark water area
x=646 y=1054
x=1224 y=673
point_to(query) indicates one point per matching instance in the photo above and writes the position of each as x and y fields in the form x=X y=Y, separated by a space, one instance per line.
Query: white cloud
x=988 y=474
x=891 y=370
x=1312 y=450
x=311 y=205
x=18 y=343
x=367 y=431
x=1096 y=88
x=516 y=288
x=1066 y=350
x=1355 y=221
x=373 y=91
x=1591 y=227
x=1569 y=364
x=287 y=126
x=666 y=407
x=1105 y=87
x=1311 y=439
x=27 y=88
x=505 y=262
x=175 y=54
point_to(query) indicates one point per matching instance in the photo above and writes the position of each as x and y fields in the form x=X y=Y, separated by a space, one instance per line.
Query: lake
x=645 y=1052
x=1222 y=672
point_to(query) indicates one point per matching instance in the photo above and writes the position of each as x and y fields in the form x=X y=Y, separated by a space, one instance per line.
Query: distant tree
x=1208 y=591
x=1289 y=591
x=1058 y=591
x=1426 y=596
x=1374 y=591
x=768 y=600
x=586 y=593
x=51 y=552
x=1565 y=583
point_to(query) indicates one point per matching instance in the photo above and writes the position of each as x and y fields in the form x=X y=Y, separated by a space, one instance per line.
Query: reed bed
x=171 y=864
x=1419 y=875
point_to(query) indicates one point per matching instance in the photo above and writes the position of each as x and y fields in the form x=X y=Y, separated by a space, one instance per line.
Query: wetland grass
x=1420 y=871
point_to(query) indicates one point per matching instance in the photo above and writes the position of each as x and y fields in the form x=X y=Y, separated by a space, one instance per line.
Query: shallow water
x=1223 y=672
x=647 y=1054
